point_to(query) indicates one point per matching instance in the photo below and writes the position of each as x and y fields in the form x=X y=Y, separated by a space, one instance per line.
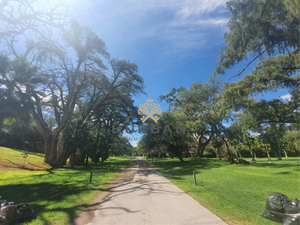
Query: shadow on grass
x=276 y=165
x=16 y=165
x=35 y=193
x=35 y=165
x=54 y=188
x=22 y=166
x=175 y=169
x=20 y=193
x=283 y=173
x=40 y=197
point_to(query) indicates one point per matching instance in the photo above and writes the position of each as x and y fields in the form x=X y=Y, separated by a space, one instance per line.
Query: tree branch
x=238 y=74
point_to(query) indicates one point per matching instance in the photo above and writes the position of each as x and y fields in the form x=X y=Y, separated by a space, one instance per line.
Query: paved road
x=146 y=197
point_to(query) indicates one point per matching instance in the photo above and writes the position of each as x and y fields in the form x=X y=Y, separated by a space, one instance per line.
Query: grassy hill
x=56 y=195
x=19 y=160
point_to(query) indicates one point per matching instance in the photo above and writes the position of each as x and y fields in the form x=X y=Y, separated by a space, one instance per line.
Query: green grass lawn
x=236 y=193
x=57 y=196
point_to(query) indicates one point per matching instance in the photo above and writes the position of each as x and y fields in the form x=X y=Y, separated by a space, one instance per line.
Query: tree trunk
x=51 y=136
x=104 y=155
x=180 y=157
x=230 y=155
x=50 y=150
x=72 y=159
x=197 y=152
x=61 y=160
x=279 y=151
x=87 y=160
x=63 y=154
x=235 y=152
x=279 y=155
x=220 y=157
x=201 y=152
x=250 y=150
x=188 y=154
x=177 y=151
x=60 y=142
x=253 y=155
x=285 y=153
x=240 y=154
x=198 y=148
x=268 y=154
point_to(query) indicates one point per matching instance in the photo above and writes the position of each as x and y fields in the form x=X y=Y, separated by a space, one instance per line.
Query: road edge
x=87 y=215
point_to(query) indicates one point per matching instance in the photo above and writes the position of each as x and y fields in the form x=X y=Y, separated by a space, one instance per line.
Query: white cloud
x=286 y=97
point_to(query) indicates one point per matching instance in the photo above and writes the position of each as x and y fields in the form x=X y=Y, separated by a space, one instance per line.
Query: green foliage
x=167 y=140
x=79 y=136
x=121 y=147
x=235 y=133
x=20 y=134
x=257 y=27
x=292 y=7
x=267 y=32
x=291 y=142
x=15 y=71
x=203 y=108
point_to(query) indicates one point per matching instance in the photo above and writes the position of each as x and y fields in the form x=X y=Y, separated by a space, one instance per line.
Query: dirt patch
x=7 y=165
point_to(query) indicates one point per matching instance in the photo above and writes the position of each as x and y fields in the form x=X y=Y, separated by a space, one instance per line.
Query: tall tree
x=203 y=108
x=264 y=34
x=50 y=79
x=55 y=85
x=235 y=136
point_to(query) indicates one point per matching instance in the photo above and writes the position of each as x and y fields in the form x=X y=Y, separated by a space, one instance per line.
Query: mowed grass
x=236 y=193
x=57 y=196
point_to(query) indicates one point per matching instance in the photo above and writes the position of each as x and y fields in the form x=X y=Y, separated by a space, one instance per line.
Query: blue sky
x=174 y=43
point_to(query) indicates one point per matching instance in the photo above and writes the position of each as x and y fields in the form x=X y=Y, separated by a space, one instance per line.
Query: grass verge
x=57 y=196
x=236 y=193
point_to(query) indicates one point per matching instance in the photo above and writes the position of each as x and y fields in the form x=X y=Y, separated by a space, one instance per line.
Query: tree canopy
x=51 y=75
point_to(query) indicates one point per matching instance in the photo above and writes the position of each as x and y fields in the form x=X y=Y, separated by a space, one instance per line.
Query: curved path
x=144 y=196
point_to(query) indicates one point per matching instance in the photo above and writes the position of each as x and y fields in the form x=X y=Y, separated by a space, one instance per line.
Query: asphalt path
x=145 y=197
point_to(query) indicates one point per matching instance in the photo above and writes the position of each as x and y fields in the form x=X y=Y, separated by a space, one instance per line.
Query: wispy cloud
x=180 y=25
x=192 y=8
x=200 y=22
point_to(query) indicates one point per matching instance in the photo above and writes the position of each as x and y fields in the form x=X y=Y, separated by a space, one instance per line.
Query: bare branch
x=238 y=74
